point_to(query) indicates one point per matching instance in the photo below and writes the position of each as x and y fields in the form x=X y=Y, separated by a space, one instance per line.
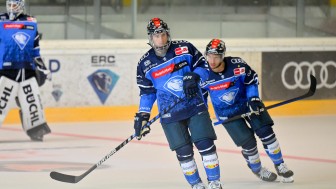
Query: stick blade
x=312 y=88
x=63 y=177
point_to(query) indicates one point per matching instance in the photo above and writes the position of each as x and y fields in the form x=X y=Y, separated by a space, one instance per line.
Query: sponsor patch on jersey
x=21 y=39
x=220 y=86
x=181 y=50
x=14 y=26
x=180 y=65
x=238 y=71
x=164 y=71
x=147 y=62
x=237 y=61
x=229 y=97
x=18 y=26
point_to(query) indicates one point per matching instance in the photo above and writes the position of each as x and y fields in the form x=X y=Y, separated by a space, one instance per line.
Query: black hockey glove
x=140 y=119
x=190 y=84
x=42 y=73
x=255 y=105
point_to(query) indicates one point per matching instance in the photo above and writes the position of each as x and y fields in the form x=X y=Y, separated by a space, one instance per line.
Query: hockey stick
x=310 y=93
x=74 y=179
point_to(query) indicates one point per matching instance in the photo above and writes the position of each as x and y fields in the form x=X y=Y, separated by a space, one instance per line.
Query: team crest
x=21 y=39
x=229 y=97
x=174 y=85
x=103 y=81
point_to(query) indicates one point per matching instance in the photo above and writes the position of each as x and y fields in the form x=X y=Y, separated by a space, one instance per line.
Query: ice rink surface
x=308 y=145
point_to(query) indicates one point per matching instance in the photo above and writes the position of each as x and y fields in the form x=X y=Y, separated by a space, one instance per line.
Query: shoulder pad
x=3 y=16
x=143 y=57
x=31 y=18
x=26 y=17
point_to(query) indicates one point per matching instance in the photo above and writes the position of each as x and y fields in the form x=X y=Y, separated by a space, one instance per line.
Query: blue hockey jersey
x=19 y=42
x=231 y=89
x=161 y=79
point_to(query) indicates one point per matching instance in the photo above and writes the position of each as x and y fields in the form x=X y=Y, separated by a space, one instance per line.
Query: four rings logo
x=305 y=69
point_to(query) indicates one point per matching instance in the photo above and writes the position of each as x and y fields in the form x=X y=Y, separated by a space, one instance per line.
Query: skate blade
x=287 y=180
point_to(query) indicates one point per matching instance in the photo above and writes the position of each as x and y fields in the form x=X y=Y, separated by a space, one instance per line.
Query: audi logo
x=311 y=69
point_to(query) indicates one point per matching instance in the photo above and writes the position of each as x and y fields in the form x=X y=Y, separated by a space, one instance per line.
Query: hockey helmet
x=215 y=46
x=15 y=8
x=155 y=26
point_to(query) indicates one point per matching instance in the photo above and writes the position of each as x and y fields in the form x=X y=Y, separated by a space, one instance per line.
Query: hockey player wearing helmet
x=167 y=72
x=233 y=87
x=22 y=70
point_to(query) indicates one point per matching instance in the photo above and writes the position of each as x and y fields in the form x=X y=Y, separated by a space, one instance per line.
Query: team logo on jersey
x=21 y=39
x=238 y=71
x=103 y=82
x=174 y=85
x=181 y=50
x=229 y=97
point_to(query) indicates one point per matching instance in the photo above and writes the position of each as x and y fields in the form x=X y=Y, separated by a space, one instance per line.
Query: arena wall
x=94 y=80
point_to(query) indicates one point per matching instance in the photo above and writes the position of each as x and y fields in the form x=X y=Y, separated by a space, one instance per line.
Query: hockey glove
x=190 y=84
x=42 y=73
x=255 y=105
x=140 y=119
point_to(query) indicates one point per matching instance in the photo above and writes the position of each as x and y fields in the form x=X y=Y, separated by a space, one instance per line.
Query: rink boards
x=96 y=80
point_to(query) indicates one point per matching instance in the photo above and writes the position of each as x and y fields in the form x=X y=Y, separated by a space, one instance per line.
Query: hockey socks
x=273 y=150
x=252 y=158
x=211 y=165
x=190 y=171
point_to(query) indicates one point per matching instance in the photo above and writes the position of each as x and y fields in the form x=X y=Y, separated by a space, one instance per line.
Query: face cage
x=14 y=12
x=160 y=51
x=213 y=52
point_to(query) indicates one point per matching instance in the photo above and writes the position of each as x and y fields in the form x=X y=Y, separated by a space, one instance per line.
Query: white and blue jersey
x=19 y=42
x=231 y=89
x=161 y=79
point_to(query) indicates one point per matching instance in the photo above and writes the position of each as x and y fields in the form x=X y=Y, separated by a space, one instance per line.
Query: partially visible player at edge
x=22 y=70
x=165 y=73
x=233 y=87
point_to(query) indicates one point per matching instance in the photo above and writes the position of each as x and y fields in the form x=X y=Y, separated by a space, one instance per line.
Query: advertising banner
x=91 y=79
x=286 y=74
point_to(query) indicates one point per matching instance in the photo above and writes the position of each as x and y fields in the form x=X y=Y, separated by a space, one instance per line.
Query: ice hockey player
x=233 y=87
x=22 y=70
x=165 y=73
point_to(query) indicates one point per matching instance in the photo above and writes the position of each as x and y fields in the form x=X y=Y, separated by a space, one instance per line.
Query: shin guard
x=32 y=113
x=8 y=92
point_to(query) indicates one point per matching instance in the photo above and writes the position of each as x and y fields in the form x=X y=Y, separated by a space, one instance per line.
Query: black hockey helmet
x=156 y=25
x=215 y=46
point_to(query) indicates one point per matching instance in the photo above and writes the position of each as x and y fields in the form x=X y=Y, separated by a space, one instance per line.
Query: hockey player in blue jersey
x=167 y=72
x=233 y=87
x=22 y=69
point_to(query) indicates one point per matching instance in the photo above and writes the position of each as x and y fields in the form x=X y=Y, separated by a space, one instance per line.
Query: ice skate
x=266 y=175
x=199 y=185
x=285 y=174
x=216 y=184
